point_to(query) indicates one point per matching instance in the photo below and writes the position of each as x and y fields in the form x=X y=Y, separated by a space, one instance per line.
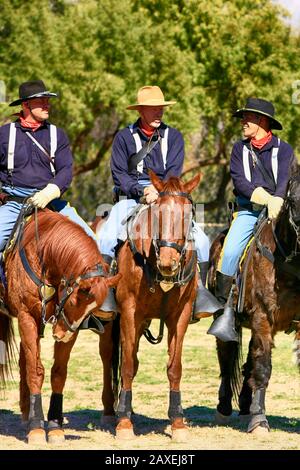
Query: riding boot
x=206 y=304
x=108 y=309
x=223 y=327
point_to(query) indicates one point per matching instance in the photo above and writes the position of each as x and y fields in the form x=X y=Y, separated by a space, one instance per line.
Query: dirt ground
x=82 y=401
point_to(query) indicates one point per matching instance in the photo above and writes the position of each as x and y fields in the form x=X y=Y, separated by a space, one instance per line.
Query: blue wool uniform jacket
x=124 y=147
x=245 y=188
x=31 y=165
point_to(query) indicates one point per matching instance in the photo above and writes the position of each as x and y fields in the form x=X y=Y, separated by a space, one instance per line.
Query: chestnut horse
x=270 y=302
x=158 y=267
x=55 y=275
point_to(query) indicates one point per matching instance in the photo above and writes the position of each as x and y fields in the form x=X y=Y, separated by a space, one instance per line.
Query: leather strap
x=139 y=156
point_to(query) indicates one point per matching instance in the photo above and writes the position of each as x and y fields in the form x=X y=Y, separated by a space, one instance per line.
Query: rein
x=47 y=292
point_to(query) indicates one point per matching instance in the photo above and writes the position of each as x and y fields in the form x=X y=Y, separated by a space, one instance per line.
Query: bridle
x=48 y=292
x=159 y=243
x=186 y=270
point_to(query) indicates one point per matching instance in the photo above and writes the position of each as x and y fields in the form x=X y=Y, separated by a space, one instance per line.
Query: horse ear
x=156 y=181
x=190 y=185
x=113 y=280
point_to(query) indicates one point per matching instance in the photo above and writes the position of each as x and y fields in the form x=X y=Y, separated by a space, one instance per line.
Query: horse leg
x=261 y=373
x=59 y=370
x=174 y=372
x=34 y=378
x=245 y=397
x=106 y=350
x=124 y=429
x=23 y=388
x=227 y=356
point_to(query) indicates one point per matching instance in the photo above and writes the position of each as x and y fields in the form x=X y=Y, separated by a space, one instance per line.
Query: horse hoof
x=56 y=436
x=108 y=420
x=260 y=431
x=125 y=434
x=180 y=435
x=36 y=436
x=221 y=420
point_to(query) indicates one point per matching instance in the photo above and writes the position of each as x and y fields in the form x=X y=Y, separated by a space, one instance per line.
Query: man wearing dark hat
x=35 y=159
x=259 y=169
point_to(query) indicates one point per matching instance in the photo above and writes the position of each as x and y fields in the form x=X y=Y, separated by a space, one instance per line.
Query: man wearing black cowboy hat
x=259 y=168
x=35 y=160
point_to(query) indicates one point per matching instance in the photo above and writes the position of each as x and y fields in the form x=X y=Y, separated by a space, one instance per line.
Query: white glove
x=46 y=195
x=274 y=203
x=151 y=194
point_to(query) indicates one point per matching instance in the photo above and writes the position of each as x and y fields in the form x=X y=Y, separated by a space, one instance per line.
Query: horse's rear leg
x=107 y=346
x=261 y=373
x=227 y=356
x=59 y=370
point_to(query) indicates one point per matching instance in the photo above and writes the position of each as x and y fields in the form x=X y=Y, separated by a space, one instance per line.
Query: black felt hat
x=260 y=106
x=30 y=90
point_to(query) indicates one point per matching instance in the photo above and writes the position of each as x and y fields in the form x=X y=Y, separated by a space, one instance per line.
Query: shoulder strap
x=11 y=147
x=267 y=177
x=274 y=161
x=142 y=152
x=43 y=150
x=164 y=146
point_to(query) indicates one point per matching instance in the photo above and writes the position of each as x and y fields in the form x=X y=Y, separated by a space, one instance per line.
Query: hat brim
x=274 y=124
x=152 y=103
x=42 y=94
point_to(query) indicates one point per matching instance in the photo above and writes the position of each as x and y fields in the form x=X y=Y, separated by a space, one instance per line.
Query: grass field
x=200 y=382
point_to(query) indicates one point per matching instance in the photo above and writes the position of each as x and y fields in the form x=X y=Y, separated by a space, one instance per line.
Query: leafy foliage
x=209 y=56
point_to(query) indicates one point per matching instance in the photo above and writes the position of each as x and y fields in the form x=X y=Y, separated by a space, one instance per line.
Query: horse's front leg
x=261 y=372
x=176 y=332
x=108 y=346
x=129 y=340
x=30 y=355
x=59 y=371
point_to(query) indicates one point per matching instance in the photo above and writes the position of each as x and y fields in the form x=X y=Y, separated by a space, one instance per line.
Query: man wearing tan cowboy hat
x=35 y=160
x=164 y=154
x=259 y=167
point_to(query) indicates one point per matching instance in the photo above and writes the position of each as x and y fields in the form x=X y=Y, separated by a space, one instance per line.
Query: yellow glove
x=274 y=203
x=274 y=206
x=46 y=195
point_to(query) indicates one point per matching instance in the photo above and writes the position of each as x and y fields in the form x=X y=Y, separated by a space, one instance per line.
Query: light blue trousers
x=9 y=213
x=114 y=229
x=236 y=240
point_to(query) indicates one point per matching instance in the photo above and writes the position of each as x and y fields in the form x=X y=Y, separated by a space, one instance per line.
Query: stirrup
x=92 y=323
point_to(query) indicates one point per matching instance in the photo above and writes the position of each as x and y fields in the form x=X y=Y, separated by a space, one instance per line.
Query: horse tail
x=296 y=350
x=116 y=354
x=236 y=378
x=7 y=348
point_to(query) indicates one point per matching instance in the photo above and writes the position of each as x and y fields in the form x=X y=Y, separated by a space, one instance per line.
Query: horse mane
x=173 y=184
x=62 y=243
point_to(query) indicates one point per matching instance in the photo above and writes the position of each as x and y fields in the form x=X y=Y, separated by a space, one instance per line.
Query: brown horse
x=57 y=276
x=158 y=267
x=270 y=302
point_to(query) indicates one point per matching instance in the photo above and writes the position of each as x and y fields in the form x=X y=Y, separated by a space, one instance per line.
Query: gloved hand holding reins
x=42 y=198
x=274 y=203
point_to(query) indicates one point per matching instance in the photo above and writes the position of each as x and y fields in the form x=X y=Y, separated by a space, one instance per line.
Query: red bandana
x=147 y=132
x=260 y=143
x=29 y=125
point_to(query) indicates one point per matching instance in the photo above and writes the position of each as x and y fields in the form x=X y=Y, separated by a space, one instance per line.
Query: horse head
x=172 y=222
x=78 y=298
